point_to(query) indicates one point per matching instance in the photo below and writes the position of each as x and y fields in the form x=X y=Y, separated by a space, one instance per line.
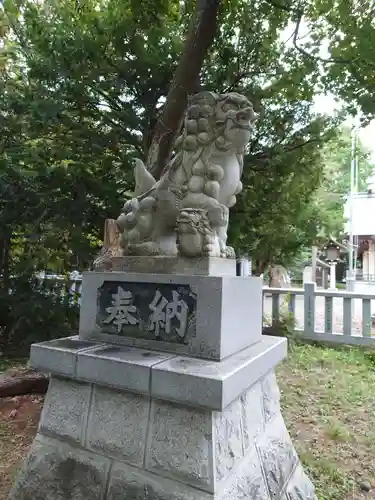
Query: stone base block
x=100 y=443
x=189 y=381
x=201 y=316
x=200 y=266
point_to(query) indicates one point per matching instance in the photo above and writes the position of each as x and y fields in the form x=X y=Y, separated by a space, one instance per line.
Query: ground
x=19 y=419
x=328 y=401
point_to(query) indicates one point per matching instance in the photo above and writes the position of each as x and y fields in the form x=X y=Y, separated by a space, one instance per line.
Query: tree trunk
x=5 y=260
x=260 y=266
x=200 y=37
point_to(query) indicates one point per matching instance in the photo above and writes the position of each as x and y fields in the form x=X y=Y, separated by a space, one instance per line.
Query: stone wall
x=98 y=443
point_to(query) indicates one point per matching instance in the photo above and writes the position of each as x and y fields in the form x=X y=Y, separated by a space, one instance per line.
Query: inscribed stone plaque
x=155 y=311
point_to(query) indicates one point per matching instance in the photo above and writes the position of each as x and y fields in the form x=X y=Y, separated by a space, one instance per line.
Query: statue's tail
x=144 y=181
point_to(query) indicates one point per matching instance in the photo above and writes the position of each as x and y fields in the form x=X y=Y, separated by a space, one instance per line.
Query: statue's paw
x=228 y=253
x=147 y=248
x=224 y=214
x=218 y=215
x=211 y=247
x=210 y=250
x=207 y=250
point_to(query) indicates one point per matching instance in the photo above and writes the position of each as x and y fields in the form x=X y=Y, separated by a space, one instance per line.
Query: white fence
x=64 y=289
x=324 y=315
x=321 y=315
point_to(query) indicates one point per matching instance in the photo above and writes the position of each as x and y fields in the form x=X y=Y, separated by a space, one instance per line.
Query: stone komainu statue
x=186 y=212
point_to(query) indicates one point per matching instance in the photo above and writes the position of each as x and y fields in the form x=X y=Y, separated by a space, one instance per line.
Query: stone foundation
x=199 y=266
x=100 y=443
x=219 y=307
x=168 y=393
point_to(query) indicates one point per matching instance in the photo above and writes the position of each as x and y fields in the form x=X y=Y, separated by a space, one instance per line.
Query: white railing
x=321 y=315
x=361 y=276
x=62 y=288
x=324 y=315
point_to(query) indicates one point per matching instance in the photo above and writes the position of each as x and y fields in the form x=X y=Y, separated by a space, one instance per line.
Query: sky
x=326 y=104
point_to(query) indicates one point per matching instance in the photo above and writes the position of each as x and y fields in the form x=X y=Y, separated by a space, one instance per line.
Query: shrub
x=32 y=313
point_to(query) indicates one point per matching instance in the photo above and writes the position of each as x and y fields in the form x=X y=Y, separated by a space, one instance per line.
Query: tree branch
x=236 y=81
x=200 y=36
x=271 y=154
x=299 y=13
x=311 y=56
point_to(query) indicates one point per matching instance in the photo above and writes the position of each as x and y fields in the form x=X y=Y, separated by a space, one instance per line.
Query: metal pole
x=355 y=238
x=352 y=173
x=356 y=173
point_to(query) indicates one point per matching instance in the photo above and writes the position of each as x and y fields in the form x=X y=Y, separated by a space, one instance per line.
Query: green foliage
x=89 y=101
x=284 y=327
x=276 y=216
x=78 y=103
x=340 y=41
x=32 y=314
x=81 y=88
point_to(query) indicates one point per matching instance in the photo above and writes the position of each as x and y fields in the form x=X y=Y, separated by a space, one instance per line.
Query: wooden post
x=275 y=309
x=111 y=234
x=292 y=304
x=328 y=314
x=332 y=276
x=314 y=256
x=347 y=316
x=111 y=246
x=366 y=318
x=309 y=306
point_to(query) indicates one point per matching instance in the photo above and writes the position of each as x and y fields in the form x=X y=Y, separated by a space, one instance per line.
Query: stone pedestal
x=215 y=309
x=140 y=422
x=201 y=266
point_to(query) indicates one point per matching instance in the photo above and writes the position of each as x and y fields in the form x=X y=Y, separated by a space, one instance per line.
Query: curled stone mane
x=204 y=123
x=204 y=131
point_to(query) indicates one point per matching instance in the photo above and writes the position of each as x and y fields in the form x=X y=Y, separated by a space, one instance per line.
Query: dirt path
x=19 y=418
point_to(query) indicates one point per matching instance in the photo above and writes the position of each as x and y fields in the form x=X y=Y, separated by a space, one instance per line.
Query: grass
x=328 y=401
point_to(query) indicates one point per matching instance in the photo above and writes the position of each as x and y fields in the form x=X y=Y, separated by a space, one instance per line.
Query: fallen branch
x=17 y=382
